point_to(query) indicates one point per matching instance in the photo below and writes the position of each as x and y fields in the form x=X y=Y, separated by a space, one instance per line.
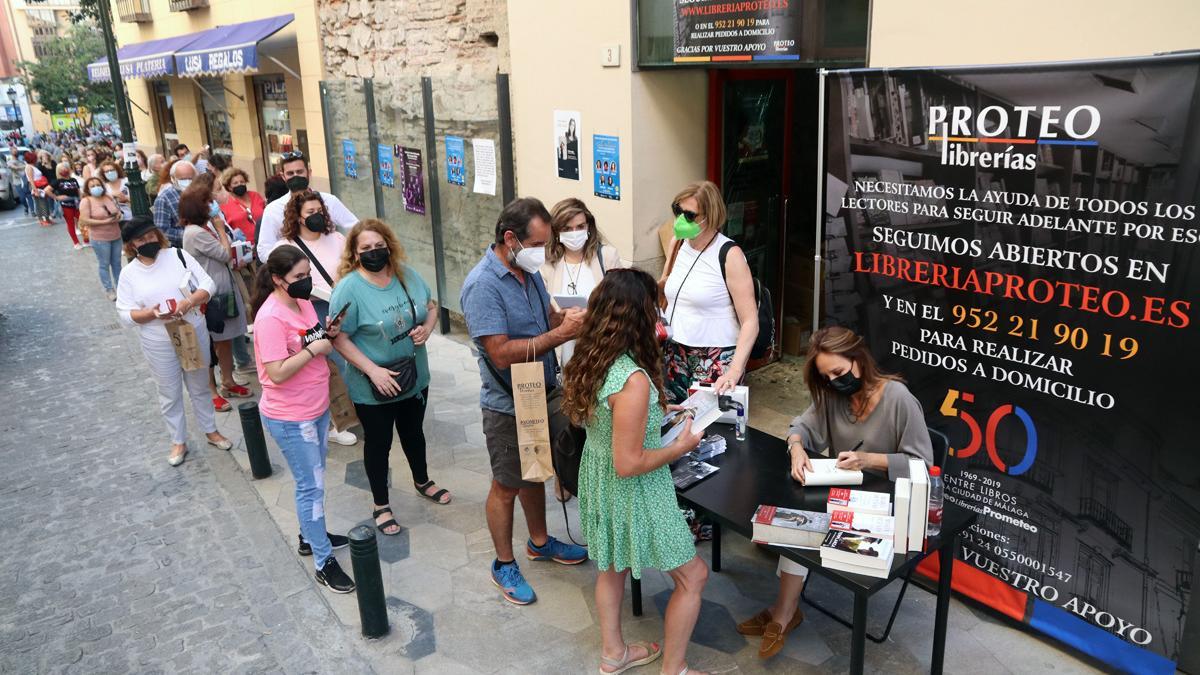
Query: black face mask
x=300 y=288
x=239 y=190
x=375 y=259
x=846 y=384
x=297 y=183
x=315 y=222
x=150 y=249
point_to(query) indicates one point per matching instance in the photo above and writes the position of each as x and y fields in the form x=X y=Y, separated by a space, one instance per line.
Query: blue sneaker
x=511 y=582
x=566 y=554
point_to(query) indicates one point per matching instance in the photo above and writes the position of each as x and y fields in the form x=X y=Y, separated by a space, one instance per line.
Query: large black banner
x=737 y=30
x=1020 y=244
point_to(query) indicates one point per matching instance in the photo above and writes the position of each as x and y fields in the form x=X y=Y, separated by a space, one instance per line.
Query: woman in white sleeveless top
x=712 y=315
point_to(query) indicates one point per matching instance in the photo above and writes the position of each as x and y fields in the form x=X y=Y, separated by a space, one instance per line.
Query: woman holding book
x=627 y=504
x=854 y=405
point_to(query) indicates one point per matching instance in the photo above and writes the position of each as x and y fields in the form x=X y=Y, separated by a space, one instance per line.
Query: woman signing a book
x=854 y=405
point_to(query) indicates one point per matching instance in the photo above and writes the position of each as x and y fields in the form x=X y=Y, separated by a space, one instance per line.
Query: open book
x=703 y=409
x=825 y=472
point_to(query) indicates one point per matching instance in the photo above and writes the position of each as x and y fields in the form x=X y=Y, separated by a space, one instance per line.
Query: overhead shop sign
x=725 y=30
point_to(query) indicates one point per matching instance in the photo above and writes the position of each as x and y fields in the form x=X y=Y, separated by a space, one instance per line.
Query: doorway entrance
x=762 y=145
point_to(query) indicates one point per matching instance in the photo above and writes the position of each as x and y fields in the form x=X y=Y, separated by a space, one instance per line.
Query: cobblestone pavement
x=122 y=563
x=116 y=562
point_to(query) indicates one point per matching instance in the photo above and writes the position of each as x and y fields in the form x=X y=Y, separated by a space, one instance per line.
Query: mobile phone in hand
x=337 y=320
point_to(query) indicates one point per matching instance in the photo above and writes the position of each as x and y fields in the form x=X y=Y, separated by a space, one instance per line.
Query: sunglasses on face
x=689 y=216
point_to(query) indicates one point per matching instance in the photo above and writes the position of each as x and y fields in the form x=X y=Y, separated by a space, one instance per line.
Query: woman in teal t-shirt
x=389 y=315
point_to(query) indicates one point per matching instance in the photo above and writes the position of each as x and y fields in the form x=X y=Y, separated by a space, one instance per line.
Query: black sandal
x=387 y=523
x=435 y=497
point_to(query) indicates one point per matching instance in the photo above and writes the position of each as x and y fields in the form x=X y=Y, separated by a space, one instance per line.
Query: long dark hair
x=279 y=263
x=620 y=319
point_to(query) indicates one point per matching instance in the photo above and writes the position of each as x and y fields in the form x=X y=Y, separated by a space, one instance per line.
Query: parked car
x=10 y=181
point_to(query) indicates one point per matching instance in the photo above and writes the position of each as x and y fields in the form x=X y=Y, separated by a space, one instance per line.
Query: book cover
x=883 y=527
x=918 y=513
x=789 y=527
x=903 y=498
x=825 y=471
x=688 y=473
x=857 y=549
x=701 y=407
x=862 y=501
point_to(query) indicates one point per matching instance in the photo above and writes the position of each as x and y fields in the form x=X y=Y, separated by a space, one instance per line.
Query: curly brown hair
x=621 y=317
x=291 y=214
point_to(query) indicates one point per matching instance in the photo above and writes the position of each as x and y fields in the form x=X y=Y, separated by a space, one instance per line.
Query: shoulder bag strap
x=317 y=263
x=721 y=256
x=675 y=303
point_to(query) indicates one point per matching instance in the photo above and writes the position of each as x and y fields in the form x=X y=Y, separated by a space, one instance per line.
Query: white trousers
x=171 y=377
x=789 y=566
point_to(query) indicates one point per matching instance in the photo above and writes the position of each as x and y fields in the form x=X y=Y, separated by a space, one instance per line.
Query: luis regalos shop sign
x=1022 y=245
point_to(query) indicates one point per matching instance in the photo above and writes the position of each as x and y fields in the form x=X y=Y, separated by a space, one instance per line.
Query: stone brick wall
x=395 y=43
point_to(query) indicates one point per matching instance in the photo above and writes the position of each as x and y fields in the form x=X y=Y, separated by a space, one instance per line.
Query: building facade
x=241 y=78
x=30 y=26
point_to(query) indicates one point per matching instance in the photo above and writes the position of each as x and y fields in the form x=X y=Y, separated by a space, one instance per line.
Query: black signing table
x=757 y=471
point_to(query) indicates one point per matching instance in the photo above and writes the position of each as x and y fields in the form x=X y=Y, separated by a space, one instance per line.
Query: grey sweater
x=896 y=427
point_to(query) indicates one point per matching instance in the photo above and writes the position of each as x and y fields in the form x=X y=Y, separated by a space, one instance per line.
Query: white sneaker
x=87 y=244
x=342 y=437
x=240 y=378
x=78 y=247
x=111 y=295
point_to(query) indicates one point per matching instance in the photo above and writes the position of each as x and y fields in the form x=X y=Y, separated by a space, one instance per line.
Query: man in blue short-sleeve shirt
x=511 y=320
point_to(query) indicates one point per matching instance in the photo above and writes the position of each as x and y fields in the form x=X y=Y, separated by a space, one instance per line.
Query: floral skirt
x=691 y=365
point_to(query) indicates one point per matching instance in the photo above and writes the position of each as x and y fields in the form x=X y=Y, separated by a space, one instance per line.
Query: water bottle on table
x=935 y=501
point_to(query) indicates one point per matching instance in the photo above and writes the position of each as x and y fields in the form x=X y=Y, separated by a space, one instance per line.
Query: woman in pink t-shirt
x=290 y=349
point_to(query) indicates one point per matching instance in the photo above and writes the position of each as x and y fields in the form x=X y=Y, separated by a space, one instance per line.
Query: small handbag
x=405 y=368
x=405 y=378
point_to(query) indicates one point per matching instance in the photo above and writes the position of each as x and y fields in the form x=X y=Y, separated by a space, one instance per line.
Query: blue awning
x=144 y=59
x=227 y=49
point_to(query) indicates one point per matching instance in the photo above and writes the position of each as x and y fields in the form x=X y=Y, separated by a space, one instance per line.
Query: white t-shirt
x=328 y=249
x=144 y=286
x=700 y=310
x=272 y=221
x=584 y=281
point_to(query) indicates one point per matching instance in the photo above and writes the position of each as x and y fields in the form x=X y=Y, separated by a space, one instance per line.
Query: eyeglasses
x=291 y=156
x=689 y=216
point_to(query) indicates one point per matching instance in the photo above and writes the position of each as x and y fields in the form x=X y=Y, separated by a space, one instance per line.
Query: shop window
x=164 y=113
x=831 y=32
x=274 y=119
x=216 y=117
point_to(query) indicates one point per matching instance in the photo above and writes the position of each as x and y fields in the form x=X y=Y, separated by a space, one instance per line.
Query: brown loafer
x=773 y=635
x=754 y=626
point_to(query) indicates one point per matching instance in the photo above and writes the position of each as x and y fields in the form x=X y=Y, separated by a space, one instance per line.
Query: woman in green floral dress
x=614 y=387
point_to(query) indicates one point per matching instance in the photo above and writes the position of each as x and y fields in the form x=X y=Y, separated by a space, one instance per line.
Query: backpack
x=764 y=343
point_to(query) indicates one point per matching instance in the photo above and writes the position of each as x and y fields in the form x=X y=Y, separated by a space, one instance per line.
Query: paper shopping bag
x=341 y=408
x=186 y=344
x=533 y=425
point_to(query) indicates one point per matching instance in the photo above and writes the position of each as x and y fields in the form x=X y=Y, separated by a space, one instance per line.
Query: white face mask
x=183 y=183
x=574 y=241
x=531 y=259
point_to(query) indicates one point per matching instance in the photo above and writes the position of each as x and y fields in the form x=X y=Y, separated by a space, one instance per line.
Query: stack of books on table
x=789 y=527
x=862 y=532
x=912 y=507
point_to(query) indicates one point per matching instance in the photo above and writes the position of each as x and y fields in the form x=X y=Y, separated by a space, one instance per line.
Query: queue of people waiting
x=322 y=300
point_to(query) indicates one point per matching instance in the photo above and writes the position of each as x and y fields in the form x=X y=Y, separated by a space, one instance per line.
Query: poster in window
x=456 y=161
x=606 y=154
x=723 y=31
x=412 y=178
x=349 y=159
x=387 y=166
x=566 y=143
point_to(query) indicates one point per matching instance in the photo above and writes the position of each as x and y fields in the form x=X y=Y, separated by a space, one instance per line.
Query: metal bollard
x=372 y=608
x=256 y=444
